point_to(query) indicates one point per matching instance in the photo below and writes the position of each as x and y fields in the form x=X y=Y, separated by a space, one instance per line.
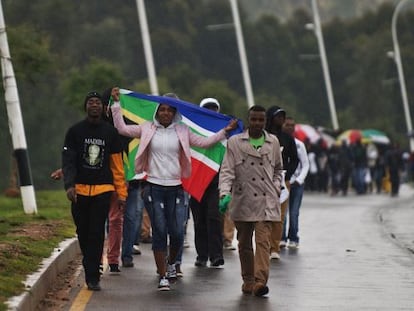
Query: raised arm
x=130 y=130
x=205 y=142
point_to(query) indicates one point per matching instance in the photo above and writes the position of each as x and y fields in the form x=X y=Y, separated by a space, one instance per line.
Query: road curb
x=397 y=220
x=38 y=283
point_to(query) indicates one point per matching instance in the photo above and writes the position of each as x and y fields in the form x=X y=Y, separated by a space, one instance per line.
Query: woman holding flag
x=164 y=154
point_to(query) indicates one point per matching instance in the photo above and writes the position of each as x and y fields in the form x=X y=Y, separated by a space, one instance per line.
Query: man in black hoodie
x=275 y=117
x=92 y=170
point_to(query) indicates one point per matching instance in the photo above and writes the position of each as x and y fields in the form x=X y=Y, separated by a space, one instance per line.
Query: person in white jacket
x=297 y=187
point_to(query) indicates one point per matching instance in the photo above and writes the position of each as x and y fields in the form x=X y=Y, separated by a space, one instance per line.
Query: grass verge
x=25 y=240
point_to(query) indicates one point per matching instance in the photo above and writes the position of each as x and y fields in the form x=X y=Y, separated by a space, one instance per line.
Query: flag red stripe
x=201 y=177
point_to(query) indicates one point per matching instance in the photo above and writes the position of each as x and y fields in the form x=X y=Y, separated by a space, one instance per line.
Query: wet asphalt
x=356 y=253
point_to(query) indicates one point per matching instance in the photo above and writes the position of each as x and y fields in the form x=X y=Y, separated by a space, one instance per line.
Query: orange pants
x=277 y=226
x=146 y=225
x=228 y=228
x=115 y=220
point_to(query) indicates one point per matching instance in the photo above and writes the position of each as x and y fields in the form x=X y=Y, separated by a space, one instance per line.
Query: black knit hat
x=91 y=95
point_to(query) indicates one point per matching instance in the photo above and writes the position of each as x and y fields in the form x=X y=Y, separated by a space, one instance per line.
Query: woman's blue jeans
x=168 y=213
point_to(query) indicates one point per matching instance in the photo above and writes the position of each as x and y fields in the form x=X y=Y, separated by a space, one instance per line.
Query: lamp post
x=397 y=58
x=15 y=119
x=242 y=53
x=146 y=41
x=316 y=27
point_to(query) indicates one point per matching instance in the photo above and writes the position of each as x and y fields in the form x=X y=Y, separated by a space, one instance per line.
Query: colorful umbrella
x=375 y=136
x=366 y=136
x=350 y=136
x=305 y=132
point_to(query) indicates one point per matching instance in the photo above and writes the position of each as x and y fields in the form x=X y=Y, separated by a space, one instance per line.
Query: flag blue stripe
x=205 y=118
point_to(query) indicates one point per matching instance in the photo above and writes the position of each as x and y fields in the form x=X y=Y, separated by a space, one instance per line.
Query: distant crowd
x=364 y=168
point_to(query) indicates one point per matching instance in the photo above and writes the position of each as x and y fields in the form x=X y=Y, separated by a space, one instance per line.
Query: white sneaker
x=136 y=250
x=164 y=284
x=293 y=244
x=282 y=244
x=171 y=272
x=274 y=255
x=229 y=246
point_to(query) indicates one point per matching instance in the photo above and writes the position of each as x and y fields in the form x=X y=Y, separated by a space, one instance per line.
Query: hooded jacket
x=287 y=143
x=146 y=131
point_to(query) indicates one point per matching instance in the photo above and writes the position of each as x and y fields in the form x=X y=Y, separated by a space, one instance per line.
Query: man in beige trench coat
x=251 y=174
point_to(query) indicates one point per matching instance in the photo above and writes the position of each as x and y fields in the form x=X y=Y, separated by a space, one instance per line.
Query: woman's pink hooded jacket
x=146 y=130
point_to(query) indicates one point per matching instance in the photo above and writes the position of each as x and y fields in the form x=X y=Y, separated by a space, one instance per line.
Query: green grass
x=25 y=240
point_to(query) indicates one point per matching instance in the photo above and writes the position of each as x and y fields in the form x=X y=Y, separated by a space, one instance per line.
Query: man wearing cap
x=207 y=219
x=210 y=103
x=92 y=169
x=275 y=118
x=228 y=225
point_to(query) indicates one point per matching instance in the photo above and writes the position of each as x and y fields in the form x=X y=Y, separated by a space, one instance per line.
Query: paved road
x=355 y=254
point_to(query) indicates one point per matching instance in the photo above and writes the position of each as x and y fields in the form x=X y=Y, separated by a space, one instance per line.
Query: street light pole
x=16 y=122
x=242 y=53
x=146 y=41
x=325 y=68
x=397 y=59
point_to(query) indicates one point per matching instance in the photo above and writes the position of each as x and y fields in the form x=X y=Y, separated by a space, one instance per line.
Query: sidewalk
x=38 y=284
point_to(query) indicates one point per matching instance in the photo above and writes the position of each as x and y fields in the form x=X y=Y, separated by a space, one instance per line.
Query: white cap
x=209 y=101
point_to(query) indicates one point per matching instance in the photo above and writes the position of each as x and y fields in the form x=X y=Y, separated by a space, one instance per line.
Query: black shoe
x=217 y=262
x=94 y=286
x=114 y=268
x=200 y=263
x=127 y=263
x=260 y=291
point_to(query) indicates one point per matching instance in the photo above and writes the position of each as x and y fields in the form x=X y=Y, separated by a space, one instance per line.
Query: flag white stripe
x=207 y=161
x=201 y=130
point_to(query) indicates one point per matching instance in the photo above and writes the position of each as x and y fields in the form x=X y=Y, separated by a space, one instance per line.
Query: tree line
x=62 y=49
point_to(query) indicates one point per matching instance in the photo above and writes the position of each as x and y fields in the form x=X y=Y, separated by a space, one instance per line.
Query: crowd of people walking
x=257 y=192
x=362 y=168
